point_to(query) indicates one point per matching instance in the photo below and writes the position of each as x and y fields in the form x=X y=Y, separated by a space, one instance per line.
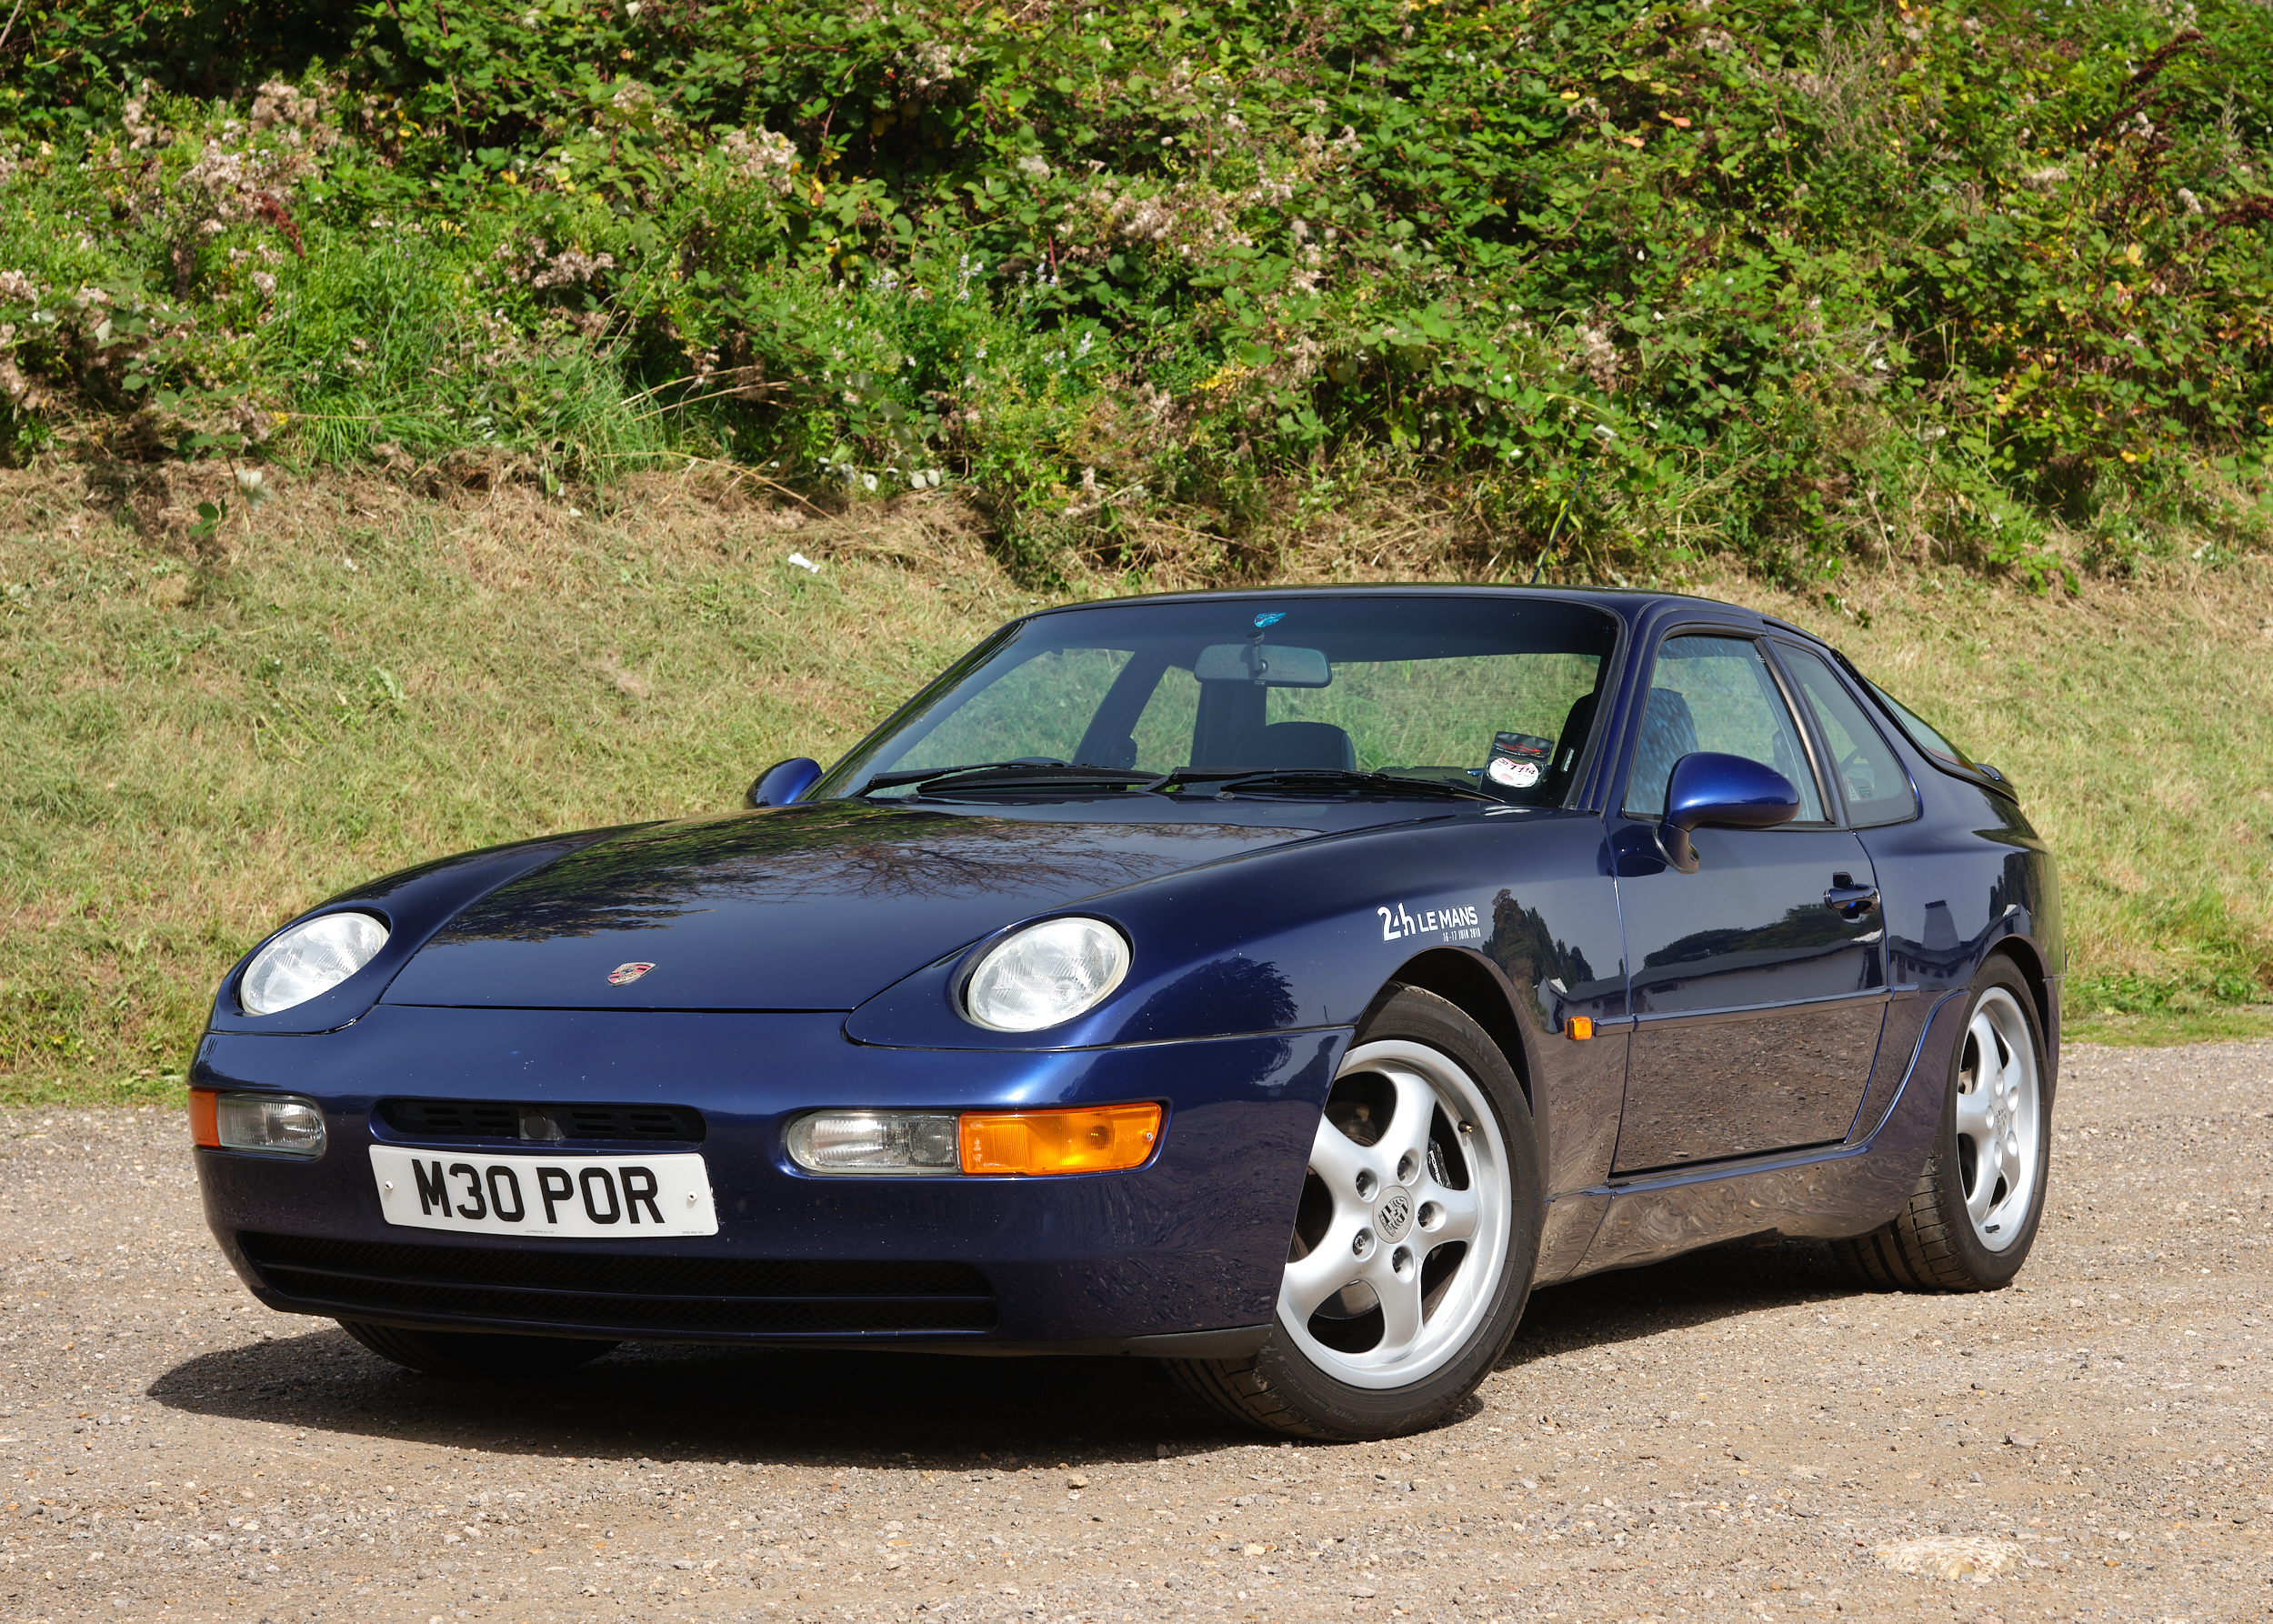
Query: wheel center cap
x=1394 y=1217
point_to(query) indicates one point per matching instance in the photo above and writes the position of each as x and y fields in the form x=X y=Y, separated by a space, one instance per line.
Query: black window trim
x=1847 y=819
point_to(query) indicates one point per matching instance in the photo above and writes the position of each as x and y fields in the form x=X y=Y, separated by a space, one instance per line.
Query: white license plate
x=584 y=1198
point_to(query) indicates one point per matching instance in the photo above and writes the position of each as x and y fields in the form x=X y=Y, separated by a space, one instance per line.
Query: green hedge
x=1801 y=283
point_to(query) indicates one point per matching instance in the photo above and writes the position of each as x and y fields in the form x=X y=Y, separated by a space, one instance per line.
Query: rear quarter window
x=1869 y=775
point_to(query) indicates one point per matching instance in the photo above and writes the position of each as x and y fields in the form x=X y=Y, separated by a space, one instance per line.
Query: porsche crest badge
x=624 y=975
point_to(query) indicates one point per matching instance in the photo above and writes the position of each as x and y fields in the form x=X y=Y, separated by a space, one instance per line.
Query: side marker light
x=1090 y=1139
x=1580 y=1027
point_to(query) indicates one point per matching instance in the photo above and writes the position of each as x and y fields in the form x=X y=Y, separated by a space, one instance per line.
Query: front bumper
x=1180 y=1256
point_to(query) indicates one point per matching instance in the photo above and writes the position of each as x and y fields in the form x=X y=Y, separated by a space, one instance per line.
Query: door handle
x=1848 y=899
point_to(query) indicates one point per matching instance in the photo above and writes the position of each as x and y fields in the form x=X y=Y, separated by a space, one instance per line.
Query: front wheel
x=476 y=1354
x=1973 y=1216
x=1414 y=1239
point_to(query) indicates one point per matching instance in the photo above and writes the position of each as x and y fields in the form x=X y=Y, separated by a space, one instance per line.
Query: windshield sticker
x=1517 y=759
x=1263 y=620
x=1457 y=923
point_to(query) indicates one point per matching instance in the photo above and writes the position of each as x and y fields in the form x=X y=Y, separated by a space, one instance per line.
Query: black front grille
x=545 y=1124
x=629 y=1292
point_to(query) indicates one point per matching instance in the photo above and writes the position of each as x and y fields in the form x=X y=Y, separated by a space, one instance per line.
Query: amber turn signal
x=1580 y=1027
x=1089 y=1140
x=205 y=1118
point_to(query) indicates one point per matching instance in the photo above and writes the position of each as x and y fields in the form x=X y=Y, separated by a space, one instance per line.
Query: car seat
x=1119 y=754
x=1668 y=733
x=1301 y=746
x=1568 y=746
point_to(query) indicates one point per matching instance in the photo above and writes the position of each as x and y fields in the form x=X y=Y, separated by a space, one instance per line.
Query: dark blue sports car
x=1280 y=984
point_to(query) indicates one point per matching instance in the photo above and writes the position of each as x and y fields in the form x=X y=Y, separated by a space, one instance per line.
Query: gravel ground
x=1737 y=1435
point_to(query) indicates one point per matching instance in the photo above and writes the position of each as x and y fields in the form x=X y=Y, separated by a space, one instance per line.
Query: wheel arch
x=1467 y=983
x=2028 y=960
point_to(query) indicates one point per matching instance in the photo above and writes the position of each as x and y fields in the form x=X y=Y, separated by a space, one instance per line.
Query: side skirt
x=1828 y=1192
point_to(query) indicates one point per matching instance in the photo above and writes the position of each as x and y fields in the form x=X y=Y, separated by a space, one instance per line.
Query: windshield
x=1494 y=695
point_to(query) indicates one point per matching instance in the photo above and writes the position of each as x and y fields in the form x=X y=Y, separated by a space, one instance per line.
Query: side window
x=1716 y=693
x=1869 y=776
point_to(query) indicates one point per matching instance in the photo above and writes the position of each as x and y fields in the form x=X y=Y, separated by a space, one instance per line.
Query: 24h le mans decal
x=622 y=975
x=1457 y=923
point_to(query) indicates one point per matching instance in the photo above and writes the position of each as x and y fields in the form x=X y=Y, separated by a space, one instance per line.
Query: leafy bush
x=1800 y=283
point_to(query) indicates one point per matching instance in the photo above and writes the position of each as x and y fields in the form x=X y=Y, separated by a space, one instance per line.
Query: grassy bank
x=354 y=676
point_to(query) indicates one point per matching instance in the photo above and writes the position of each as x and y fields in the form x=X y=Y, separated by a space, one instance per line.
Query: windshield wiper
x=1007 y=774
x=1322 y=781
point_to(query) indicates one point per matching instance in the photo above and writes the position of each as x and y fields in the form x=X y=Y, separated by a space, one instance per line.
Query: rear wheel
x=1414 y=1239
x=1973 y=1216
x=474 y=1353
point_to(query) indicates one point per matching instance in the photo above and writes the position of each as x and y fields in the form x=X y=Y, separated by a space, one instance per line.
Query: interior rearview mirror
x=1266 y=665
x=782 y=782
x=1710 y=790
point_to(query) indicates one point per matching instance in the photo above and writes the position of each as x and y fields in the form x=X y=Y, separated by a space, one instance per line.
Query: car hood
x=800 y=907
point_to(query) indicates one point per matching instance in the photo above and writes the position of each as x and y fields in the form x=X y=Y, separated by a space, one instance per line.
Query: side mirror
x=1710 y=790
x=782 y=782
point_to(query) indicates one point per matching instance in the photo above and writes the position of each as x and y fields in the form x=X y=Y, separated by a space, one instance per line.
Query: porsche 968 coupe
x=1281 y=985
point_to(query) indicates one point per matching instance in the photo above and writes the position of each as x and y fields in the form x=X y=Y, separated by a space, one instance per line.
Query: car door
x=1757 y=982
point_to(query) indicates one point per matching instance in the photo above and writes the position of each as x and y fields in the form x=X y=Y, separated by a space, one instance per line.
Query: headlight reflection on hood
x=1046 y=973
x=307 y=959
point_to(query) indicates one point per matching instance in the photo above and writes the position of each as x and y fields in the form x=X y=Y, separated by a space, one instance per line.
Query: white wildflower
x=135 y=116
x=1598 y=358
x=936 y=65
x=279 y=105
x=571 y=265
x=761 y=154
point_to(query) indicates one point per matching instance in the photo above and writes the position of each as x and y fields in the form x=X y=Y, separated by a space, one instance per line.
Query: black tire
x=1932 y=1244
x=476 y=1354
x=1283 y=1388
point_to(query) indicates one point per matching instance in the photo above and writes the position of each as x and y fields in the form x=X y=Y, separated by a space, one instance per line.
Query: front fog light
x=875 y=1142
x=280 y=1124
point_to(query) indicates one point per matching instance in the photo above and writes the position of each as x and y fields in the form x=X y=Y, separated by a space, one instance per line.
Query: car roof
x=1632 y=604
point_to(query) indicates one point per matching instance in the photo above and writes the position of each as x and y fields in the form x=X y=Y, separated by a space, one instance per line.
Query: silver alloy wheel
x=1999 y=1120
x=1395 y=1206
